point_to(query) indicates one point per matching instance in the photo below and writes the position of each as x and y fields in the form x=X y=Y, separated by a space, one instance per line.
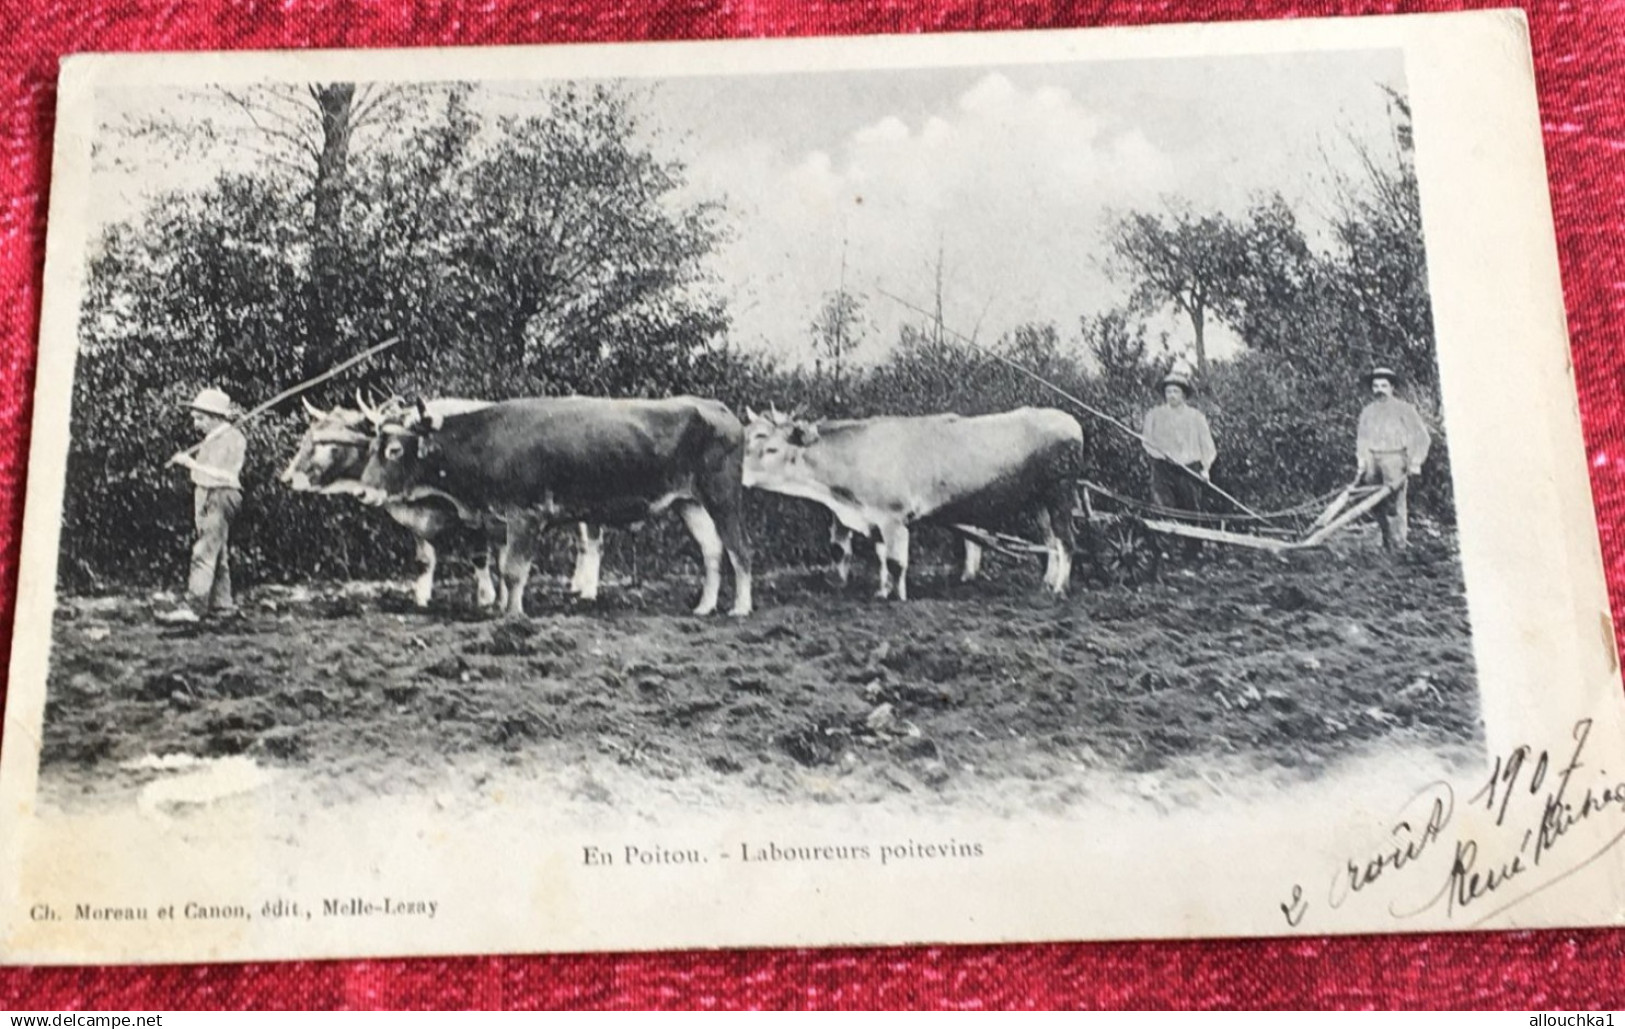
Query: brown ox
x=330 y=459
x=605 y=461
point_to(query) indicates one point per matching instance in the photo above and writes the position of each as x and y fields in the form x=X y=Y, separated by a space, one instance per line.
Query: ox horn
x=371 y=413
x=380 y=406
x=311 y=409
x=428 y=421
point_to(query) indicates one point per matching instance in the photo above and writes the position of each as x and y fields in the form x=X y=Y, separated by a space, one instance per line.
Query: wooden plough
x=1123 y=544
x=1125 y=550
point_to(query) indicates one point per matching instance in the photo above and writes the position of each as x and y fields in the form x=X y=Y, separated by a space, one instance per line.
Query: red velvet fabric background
x=1580 y=58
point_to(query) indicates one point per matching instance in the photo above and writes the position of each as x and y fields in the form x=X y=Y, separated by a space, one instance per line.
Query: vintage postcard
x=1032 y=486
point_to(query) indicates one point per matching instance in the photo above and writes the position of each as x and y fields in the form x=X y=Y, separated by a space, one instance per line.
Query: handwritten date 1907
x=1523 y=838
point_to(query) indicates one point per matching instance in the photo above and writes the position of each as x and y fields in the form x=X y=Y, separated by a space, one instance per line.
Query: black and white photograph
x=866 y=472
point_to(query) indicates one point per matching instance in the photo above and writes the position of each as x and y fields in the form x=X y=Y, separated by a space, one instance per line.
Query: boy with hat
x=1390 y=445
x=216 y=472
x=1178 y=440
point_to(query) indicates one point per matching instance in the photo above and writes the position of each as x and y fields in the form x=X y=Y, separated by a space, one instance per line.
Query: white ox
x=879 y=476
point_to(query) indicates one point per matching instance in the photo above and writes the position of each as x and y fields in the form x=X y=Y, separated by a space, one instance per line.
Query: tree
x=578 y=271
x=1035 y=347
x=305 y=130
x=1383 y=283
x=923 y=375
x=838 y=329
x=305 y=135
x=1177 y=259
x=1128 y=367
x=1273 y=288
x=335 y=105
x=536 y=255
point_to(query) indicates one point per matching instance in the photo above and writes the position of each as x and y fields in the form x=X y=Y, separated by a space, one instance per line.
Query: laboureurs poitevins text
x=644 y=855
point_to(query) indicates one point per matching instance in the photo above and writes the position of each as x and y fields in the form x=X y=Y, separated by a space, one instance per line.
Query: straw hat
x=212 y=401
x=1179 y=379
x=1382 y=372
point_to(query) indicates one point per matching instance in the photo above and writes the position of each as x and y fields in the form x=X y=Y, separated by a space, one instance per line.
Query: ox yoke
x=940 y=468
x=582 y=458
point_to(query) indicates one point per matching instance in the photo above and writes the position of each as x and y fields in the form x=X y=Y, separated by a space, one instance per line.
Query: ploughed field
x=991 y=693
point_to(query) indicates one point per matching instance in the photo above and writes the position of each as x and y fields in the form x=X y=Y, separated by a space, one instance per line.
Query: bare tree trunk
x=936 y=325
x=335 y=101
x=1199 y=323
x=839 y=406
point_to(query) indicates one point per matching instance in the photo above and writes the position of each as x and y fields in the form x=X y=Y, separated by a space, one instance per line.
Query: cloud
x=1011 y=183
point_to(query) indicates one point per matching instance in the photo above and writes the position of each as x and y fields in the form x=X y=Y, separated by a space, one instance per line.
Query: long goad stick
x=1102 y=415
x=287 y=393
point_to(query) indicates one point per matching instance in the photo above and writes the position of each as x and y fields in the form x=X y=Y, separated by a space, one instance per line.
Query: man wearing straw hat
x=1390 y=445
x=216 y=471
x=1179 y=442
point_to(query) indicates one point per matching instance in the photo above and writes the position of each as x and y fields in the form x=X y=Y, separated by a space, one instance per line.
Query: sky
x=1011 y=174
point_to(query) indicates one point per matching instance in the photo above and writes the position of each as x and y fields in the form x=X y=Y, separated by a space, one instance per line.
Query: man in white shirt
x=1390 y=445
x=1179 y=442
x=216 y=472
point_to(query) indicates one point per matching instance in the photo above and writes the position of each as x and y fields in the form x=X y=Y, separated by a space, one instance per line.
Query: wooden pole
x=1067 y=396
x=285 y=394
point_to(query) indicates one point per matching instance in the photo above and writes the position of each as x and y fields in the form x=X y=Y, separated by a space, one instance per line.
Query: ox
x=616 y=462
x=879 y=476
x=330 y=459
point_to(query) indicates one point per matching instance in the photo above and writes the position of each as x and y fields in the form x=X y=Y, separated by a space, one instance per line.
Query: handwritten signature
x=1527 y=837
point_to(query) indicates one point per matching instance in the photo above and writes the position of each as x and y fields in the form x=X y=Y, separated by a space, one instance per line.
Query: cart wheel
x=1126 y=552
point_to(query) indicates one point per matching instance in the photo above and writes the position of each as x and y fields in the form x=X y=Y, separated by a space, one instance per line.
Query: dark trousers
x=1174 y=488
